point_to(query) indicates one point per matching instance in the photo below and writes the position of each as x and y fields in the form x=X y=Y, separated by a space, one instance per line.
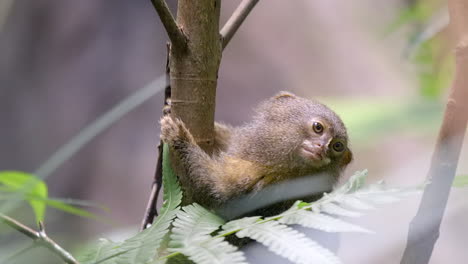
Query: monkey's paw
x=167 y=107
x=174 y=132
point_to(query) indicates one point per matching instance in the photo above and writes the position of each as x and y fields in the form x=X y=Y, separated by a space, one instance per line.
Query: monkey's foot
x=174 y=132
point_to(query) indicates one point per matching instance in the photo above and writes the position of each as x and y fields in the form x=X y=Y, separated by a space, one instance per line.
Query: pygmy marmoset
x=289 y=137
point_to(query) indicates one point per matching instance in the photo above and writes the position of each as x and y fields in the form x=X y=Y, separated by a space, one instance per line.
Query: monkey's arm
x=213 y=179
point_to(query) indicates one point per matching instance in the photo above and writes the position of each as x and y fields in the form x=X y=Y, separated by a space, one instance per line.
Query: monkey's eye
x=318 y=128
x=338 y=146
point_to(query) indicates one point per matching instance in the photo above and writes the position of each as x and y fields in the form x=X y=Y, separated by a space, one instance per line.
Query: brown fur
x=260 y=153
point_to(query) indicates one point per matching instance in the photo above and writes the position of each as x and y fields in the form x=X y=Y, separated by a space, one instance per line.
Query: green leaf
x=192 y=221
x=289 y=243
x=142 y=248
x=191 y=237
x=102 y=252
x=354 y=183
x=239 y=224
x=460 y=181
x=63 y=206
x=334 y=209
x=148 y=241
x=316 y=220
x=353 y=194
x=30 y=186
x=301 y=204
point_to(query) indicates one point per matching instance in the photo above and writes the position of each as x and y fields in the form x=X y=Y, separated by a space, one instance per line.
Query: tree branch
x=176 y=35
x=236 y=20
x=39 y=238
x=424 y=228
x=194 y=77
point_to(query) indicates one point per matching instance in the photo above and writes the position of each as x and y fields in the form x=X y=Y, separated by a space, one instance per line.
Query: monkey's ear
x=284 y=94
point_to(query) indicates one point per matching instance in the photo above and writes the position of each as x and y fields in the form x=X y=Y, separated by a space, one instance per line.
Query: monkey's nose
x=322 y=149
x=321 y=145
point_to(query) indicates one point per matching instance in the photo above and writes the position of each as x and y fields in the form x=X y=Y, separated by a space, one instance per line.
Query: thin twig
x=424 y=228
x=176 y=35
x=150 y=211
x=236 y=20
x=40 y=238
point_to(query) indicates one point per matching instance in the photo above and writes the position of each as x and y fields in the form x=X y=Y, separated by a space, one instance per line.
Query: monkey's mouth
x=316 y=155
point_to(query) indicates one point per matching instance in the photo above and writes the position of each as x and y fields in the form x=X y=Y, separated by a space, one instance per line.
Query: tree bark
x=194 y=68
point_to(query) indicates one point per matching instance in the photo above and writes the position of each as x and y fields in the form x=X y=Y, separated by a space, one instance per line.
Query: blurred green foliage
x=460 y=181
x=434 y=68
x=432 y=65
x=33 y=190
x=426 y=47
x=370 y=118
x=25 y=186
x=415 y=13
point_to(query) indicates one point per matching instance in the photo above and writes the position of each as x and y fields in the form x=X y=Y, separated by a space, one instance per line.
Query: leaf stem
x=170 y=255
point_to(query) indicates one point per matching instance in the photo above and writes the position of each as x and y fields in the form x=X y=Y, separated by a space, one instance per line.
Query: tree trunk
x=194 y=68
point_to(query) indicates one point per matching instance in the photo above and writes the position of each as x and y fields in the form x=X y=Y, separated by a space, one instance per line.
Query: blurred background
x=384 y=66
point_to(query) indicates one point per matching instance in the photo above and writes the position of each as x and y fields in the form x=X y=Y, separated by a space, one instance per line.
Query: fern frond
x=355 y=182
x=193 y=227
x=379 y=193
x=191 y=237
x=351 y=201
x=355 y=195
x=239 y=224
x=213 y=251
x=334 y=209
x=192 y=222
x=102 y=252
x=288 y=243
x=323 y=222
x=142 y=247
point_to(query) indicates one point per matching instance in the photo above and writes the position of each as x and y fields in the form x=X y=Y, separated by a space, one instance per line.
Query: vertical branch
x=424 y=228
x=194 y=71
x=194 y=76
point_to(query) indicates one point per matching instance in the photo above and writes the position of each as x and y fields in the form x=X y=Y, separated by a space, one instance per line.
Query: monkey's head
x=324 y=141
x=302 y=134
